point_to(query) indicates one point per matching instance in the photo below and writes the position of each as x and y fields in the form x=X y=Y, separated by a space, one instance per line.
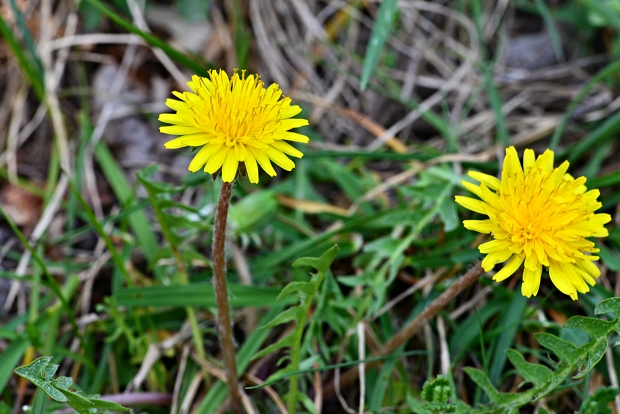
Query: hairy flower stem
x=412 y=327
x=224 y=321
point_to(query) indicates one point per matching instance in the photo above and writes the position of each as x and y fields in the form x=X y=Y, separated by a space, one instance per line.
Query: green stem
x=224 y=320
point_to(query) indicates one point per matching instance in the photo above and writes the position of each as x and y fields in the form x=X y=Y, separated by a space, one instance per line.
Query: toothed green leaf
x=321 y=263
x=283 y=343
x=40 y=372
x=291 y=314
x=534 y=373
x=596 y=328
x=595 y=354
x=304 y=287
x=608 y=305
x=566 y=351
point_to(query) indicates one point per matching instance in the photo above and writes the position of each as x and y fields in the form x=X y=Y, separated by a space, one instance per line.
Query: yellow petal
x=176 y=105
x=493 y=246
x=494 y=258
x=200 y=158
x=287 y=124
x=531 y=281
x=509 y=268
x=528 y=161
x=179 y=130
x=175 y=143
x=290 y=111
x=492 y=182
x=263 y=161
x=473 y=188
x=561 y=281
x=294 y=136
x=287 y=149
x=481 y=226
x=196 y=140
x=217 y=159
x=280 y=159
x=170 y=119
x=512 y=165
x=251 y=167
x=472 y=204
x=229 y=168
x=589 y=267
x=531 y=262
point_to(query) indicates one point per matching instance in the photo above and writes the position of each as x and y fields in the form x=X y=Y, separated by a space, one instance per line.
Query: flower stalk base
x=224 y=320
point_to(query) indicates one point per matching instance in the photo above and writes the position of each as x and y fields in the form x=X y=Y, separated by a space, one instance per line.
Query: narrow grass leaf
x=33 y=78
x=118 y=260
x=138 y=220
x=378 y=36
x=195 y=295
x=511 y=319
x=51 y=282
x=606 y=131
x=556 y=42
x=608 y=70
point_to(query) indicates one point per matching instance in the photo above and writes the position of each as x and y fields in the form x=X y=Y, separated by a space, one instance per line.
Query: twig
x=412 y=327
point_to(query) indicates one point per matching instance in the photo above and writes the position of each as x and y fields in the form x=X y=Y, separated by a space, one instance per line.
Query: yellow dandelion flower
x=234 y=120
x=540 y=216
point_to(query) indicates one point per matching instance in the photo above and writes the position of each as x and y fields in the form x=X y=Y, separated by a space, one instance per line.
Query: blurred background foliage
x=402 y=97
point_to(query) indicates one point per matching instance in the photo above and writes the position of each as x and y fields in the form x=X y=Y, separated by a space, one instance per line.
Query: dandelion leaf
x=608 y=305
x=595 y=354
x=319 y=263
x=566 y=351
x=304 y=287
x=596 y=328
x=283 y=343
x=41 y=373
x=291 y=314
x=534 y=373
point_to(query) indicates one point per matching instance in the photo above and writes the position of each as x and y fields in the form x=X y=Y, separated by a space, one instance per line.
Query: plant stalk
x=224 y=321
x=412 y=327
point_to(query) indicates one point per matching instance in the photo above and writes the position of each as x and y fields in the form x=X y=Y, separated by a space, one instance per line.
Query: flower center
x=539 y=213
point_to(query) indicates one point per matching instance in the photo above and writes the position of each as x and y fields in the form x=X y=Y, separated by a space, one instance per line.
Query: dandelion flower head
x=539 y=216
x=235 y=120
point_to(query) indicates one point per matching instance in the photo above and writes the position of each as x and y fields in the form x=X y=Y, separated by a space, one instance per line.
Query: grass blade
x=195 y=295
x=378 y=36
x=35 y=81
x=138 y=220
x=608 y=70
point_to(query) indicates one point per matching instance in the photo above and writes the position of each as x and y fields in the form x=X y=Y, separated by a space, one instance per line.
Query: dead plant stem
x=224 y=321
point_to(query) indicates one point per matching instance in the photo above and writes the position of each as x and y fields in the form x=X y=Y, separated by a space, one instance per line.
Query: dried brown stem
x=412 y=327
x=224 y=321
